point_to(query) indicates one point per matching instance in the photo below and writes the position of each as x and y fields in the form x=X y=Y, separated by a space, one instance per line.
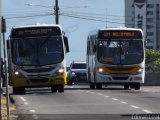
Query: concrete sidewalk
x=12 y=109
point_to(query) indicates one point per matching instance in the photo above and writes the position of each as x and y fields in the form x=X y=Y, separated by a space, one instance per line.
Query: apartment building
x=145 y=14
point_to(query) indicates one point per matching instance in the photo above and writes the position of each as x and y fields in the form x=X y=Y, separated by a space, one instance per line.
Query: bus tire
x=23 y=91
x=137 y=86
x=98 y=85
x=92 y=85
x=60 y=88
x=132 y=85
x=54 y=88
x=126 y=86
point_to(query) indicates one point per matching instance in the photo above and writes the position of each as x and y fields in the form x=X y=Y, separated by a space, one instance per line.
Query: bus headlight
x=18 y=74
x=102 y=71
x=60 y=71
x=138 y=72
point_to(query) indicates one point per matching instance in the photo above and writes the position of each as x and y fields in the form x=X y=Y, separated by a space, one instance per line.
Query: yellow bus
x=116 y=56
x=37 y=57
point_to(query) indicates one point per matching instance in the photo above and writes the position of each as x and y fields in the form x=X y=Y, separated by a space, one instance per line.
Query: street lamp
x=56 y=9
x=46 y=6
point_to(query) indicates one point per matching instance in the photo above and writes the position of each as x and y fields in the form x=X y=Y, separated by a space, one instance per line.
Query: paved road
x=80 y=103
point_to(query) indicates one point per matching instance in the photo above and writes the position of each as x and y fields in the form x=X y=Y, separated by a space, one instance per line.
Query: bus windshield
x=120 y=52
x=37 y=51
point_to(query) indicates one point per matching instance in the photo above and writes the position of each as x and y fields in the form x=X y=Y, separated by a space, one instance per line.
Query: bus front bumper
x=101 y=78
x=16 y=81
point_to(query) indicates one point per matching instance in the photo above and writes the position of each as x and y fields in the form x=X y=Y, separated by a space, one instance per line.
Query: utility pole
x=0 y=56
x=5 y=81
x=56 y=9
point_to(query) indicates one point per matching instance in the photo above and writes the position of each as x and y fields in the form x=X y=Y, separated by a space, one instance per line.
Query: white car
x=77 y=72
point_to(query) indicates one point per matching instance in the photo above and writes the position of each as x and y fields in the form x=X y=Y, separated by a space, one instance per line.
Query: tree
x=152 y=60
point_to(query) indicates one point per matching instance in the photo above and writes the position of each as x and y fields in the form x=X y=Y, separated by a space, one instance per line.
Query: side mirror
x=66 y=43
x=94 y=48
x=145 y=43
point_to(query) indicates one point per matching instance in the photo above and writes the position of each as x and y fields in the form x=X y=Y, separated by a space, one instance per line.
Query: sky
x=77 y=18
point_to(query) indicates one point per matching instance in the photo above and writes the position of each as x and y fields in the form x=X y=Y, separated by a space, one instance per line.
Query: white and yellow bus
x=116 y=56
x=37 y=57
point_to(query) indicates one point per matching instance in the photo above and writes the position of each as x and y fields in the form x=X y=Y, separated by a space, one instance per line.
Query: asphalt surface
x=78 y=102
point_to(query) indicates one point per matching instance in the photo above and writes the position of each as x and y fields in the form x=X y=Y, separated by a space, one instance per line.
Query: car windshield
x=120 y=52
x=79 y=66
x=37 y=51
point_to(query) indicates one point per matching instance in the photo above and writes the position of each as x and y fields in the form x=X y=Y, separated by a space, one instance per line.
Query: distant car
x=77 y=72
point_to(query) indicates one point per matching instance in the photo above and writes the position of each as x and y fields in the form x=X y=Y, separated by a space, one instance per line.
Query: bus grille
x=121 y=68
x=120 y=78
x=39 y=80
x=38 y=70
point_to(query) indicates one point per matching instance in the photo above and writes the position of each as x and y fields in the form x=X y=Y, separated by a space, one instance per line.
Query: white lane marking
x=22 y=98
x=35 y=117
x=114 y=99
x=25 y=103
x=133 y=106
x=90 y=92
x=99 y=94
x=146 y=90
x=147 y=111
x=123 y=102
x=33 y=111
x=106 y=96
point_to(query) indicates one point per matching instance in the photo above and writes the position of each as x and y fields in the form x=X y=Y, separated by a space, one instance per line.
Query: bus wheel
x=92 y=85
x=54 y=88
x=23 y=90
x=18 y=90
x=126 y=86
x=137 y=86
x=99 y=85
x=60 y=88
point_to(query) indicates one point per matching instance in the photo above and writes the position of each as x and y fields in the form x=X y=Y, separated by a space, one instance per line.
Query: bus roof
x=36 y=25
x=115 y=28
x=120 y=28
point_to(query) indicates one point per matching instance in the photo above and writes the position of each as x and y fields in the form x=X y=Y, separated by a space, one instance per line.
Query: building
x=145 y=14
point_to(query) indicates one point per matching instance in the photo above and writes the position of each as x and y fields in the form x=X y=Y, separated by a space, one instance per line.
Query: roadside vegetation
x=152 y=60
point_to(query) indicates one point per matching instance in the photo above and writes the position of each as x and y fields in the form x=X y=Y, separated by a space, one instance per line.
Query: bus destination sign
x=35 y=31
x=120 y=34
